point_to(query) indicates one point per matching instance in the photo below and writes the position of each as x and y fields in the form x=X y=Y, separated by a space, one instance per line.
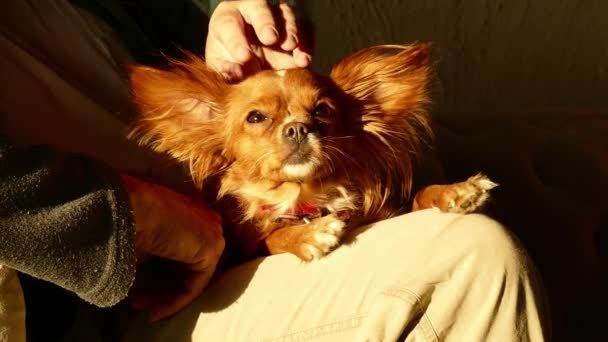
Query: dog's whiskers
x=344 y=154
x=337 y=138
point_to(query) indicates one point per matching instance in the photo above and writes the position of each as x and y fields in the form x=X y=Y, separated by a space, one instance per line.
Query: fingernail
x=295 y=39
x=270 y=34
x=290 y=43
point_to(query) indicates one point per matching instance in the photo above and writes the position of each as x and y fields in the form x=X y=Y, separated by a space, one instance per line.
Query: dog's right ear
x=181 y=114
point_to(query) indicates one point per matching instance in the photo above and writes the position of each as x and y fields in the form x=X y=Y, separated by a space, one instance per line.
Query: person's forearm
x=66 y=220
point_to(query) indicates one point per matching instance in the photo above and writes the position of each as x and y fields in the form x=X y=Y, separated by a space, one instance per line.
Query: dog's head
x=365 y=121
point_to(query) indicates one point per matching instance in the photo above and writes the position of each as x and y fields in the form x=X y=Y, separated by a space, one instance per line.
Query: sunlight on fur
x=294 y=153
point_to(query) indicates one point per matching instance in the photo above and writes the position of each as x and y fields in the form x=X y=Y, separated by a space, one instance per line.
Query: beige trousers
x=424 y=276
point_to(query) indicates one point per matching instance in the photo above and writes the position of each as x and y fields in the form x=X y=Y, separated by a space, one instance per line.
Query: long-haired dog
x=294 y=156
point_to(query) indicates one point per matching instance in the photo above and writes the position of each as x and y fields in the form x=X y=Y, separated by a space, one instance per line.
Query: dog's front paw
x=464 y=197
x=320 y=237
x=468 y=196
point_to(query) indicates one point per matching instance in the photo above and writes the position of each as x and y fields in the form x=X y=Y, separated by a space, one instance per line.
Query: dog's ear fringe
x=389 y=86
x=386 y=75
x=180 y=114
x=179 y=82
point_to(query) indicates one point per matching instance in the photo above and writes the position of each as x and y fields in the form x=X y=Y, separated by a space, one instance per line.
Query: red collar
x=300 y=209
x=304 y=213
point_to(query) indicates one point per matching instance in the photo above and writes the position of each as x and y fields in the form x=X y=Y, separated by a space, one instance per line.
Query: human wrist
x=140 y=202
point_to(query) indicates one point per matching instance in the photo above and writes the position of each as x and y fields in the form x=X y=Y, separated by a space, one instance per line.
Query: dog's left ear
x=387 y=80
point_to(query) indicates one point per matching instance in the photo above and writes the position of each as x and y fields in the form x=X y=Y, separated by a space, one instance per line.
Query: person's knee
x=488 y=244
x=498 y=276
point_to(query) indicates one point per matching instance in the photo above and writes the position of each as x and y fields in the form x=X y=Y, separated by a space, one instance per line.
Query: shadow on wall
x=493 y=55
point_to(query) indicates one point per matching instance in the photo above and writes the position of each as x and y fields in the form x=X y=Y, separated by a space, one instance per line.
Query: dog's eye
x=322 y=110
x=256 y=117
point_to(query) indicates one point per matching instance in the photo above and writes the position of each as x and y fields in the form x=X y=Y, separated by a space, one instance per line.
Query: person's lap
x=422 y=276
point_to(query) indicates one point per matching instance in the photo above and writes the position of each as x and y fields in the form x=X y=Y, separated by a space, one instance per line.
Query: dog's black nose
x=295 y=132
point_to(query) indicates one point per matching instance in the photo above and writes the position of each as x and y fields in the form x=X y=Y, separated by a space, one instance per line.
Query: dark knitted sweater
x=66 y=220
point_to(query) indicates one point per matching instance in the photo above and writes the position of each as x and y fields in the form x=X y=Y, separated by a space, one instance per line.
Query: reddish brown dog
x=298 y=155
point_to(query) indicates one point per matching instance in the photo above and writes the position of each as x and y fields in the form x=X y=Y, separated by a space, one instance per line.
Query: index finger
x=258 y=14
x=291 y=29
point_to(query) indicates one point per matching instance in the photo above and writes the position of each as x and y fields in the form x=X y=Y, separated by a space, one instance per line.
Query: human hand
x=248 y=35
x=178 y=245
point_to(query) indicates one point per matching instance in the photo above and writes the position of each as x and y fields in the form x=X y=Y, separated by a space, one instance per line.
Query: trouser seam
x=322 y=330
x=413 y=299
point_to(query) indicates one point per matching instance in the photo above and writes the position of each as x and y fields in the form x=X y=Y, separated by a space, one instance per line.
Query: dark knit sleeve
x=66 y=220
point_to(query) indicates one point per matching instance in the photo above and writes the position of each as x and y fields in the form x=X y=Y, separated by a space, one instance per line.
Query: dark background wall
x=493 y=55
